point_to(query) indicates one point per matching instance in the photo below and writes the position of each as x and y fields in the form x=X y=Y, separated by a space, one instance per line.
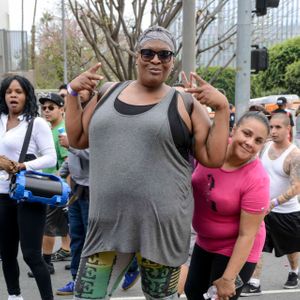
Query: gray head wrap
x=157 y=33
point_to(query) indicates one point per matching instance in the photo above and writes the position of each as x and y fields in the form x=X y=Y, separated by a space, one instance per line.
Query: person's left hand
x=63 y=141
x=225 y=288
x=8 y=165
x=204 y=92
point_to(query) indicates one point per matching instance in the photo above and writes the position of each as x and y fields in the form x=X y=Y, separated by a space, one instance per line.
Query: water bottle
x=211 y=293
x=3 y=175
x=61 y=131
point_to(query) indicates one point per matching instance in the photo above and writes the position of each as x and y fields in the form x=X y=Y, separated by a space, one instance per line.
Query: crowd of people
x=145 y=163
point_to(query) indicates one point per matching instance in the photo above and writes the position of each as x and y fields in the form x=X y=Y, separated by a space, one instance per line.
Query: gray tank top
x=140 y=186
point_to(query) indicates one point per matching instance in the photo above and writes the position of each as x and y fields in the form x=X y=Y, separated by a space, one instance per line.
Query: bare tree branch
x=220 y=48
x=219 y=71
x=110 y=19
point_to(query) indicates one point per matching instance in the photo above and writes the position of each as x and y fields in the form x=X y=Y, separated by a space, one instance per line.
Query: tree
x=292 y=77
x=33 y=37
x=109 y=18
x=221 y=78
x=22 y=37
x=46 y=19
x=49 y=66
x=282 y=67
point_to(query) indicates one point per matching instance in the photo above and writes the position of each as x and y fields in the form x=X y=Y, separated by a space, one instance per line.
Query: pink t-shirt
x=219 y=197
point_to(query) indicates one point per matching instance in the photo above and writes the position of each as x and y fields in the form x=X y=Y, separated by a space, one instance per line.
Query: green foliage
x=292 y=77
x=49 y=60
x=223 y=79
x=282 y=73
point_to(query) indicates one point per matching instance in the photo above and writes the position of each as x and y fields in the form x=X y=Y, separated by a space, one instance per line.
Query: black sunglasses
x=50 y=107
x=164 y=55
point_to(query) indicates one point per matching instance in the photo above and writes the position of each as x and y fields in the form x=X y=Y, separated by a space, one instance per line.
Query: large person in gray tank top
x=141 y=200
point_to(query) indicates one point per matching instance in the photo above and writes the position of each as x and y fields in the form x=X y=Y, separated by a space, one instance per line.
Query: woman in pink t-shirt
x=230 y=204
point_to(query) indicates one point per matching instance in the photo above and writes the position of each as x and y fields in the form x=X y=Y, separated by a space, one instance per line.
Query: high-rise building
x=276 y=26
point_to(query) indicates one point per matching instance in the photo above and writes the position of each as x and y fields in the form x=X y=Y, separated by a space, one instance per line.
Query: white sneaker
x=14 y=297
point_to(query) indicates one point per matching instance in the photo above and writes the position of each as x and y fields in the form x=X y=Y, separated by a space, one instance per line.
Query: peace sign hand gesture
x=87 y=80
x=204 y=92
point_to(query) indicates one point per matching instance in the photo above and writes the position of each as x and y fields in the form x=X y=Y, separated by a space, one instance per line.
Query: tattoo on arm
x=292 y=168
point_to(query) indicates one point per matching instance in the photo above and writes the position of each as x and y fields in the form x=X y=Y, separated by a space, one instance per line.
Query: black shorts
x=283 y=233
x=56 y=222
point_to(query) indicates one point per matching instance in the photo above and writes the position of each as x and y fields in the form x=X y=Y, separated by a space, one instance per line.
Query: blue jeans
x=78 y=221
x=133 y=266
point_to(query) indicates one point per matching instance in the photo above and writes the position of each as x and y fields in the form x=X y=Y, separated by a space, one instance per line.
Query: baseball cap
x=53 y=97
x=281 y=100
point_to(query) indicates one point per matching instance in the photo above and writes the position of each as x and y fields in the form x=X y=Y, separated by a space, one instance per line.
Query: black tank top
x=181 y=136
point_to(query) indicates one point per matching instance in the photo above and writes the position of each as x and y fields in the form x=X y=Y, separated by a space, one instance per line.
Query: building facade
x=217 y=44
x=13 y=44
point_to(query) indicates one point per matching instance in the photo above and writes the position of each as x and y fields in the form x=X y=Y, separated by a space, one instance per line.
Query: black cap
x=58 y=100
x=281 y=101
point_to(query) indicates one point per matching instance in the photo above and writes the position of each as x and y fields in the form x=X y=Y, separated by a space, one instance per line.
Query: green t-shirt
x=61 y=151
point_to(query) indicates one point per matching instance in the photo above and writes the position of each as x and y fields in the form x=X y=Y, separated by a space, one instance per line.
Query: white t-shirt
x=41 y=145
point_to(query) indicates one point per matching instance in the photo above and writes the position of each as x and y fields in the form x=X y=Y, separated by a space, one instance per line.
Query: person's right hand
x=225 y=288
x=8 y=165
x=63 y=141
x=87 y=80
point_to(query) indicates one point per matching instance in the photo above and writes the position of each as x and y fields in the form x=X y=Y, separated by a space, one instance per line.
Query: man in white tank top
x=281 y=160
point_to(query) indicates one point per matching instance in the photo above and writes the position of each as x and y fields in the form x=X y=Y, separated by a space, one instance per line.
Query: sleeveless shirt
x=140 y=185
x=279 y=180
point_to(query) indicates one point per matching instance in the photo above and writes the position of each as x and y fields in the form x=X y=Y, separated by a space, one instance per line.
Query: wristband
x=275 y=202
x=71 y=91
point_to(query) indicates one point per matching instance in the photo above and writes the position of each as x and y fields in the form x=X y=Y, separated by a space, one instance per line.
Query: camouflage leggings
x=100 y=274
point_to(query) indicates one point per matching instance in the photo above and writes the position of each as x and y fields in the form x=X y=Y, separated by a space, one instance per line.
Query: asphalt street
x=275 y=273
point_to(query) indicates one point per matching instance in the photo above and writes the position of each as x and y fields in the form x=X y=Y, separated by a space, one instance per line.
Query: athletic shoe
x=14 y=297
x=68 y=289
x=250 y=290
x=292 y=281
x=130 y=279
x=50 y=268
x=61 y=255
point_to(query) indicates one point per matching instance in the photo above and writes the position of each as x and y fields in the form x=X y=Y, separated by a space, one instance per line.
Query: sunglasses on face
x=164 y=55
x=49 y=107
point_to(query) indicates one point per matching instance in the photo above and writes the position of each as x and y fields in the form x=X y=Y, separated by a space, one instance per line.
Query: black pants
x=23 y=223
x=205 y=268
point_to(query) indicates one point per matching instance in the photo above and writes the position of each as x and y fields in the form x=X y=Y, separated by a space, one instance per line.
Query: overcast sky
x=53 y=6
x=15 y=12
